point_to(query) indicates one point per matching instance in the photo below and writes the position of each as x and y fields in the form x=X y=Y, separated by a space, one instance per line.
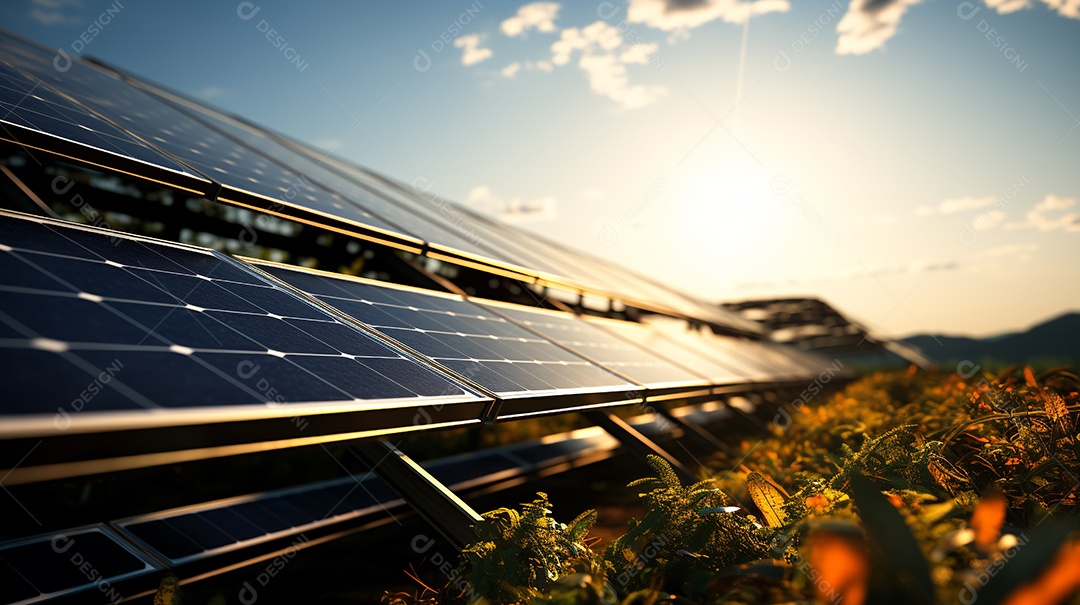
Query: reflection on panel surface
x=481 y=345
x=125 y=324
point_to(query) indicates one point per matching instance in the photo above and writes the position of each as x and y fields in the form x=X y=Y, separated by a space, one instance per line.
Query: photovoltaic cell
x=27 y=103
x=182 y=536
x=212 y=154
x=417 y=219
x=473 y=341
x=125 y=324
x=672 y=346
x=54 y=565
x=606 y=349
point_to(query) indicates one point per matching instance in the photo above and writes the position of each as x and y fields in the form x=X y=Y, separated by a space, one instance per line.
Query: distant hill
x=1056 y=339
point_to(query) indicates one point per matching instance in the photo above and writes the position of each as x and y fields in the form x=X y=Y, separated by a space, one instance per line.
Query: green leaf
x=893 y=539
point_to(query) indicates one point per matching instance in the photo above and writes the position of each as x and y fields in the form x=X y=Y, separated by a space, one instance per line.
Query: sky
x=915 y=163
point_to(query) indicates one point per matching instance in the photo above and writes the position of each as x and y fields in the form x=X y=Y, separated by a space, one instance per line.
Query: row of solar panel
x=101 y=332
x=90 y=115
x=203 y=539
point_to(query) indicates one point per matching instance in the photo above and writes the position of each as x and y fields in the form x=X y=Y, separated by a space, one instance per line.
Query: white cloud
x=511 y=70
x=868 y=24
x=603 y=64
x=682 y=15
x=472 y=53
x=1005 y=7
x=1046 y=215
x=536 y=15
x=952 y=206
x=514 y=210
x=1065 y=8
x=544 y=66
x=55 y=12
x=1019 y=251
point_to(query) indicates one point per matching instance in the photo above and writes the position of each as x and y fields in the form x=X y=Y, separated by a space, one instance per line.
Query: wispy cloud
x=536 y=15
x=1005 y=7
x=954 y=205
x=1049 y=215
x=472 y=52
x=913 y=268
x=1065 y=8
x=514 y=210
x=683 y=15
x=604 y=57
x=511 y=70
x=868 y=24
x=1021 y=252
x=55 y=12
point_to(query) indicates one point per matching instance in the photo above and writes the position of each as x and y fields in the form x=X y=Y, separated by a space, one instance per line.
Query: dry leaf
x=767 y=497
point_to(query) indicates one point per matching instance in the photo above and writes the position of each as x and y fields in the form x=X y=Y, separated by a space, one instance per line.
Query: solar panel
x=613 y=353
x=672 y=346
x=418 y=219
x=80 y=561
x=35 y=116
x=139 y=333
x=247 y=178
x=474 y=342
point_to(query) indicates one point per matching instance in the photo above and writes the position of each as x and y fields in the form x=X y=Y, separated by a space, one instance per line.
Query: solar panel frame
x=169 y=432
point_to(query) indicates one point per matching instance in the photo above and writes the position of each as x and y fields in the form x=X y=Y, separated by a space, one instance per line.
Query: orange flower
x=988 y=518
x=838 y=567
x=817 y=503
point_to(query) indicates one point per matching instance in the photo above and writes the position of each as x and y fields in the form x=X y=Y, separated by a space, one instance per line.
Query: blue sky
x=914 y=163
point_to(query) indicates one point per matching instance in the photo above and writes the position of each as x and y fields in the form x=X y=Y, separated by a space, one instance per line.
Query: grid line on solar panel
x=242 y=171
x=624 y=358
x=674 y=346
x=474 y=342
x=157 y=325
x=724 y=350
x=27 y=104
x=41 y=567
x=420 y=220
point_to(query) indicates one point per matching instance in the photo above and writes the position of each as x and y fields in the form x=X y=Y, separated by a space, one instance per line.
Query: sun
x=730 y=200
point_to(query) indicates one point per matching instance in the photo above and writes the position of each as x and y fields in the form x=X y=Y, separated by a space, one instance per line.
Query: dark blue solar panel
x=27 y=103
x=476 y=343
x=144 y=324
x=212 y=154
x=611 y=351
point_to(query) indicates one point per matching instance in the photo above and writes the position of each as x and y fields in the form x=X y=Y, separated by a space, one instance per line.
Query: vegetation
x=907 y=487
